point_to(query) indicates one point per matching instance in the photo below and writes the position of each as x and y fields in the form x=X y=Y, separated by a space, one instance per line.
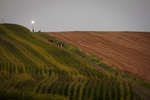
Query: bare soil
x=128 y=52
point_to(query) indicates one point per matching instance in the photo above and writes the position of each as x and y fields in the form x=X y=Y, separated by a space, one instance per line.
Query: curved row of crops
x=32 y=68
x=73 y=88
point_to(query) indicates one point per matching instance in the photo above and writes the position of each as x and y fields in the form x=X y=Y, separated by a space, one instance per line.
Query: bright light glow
x=32 y=22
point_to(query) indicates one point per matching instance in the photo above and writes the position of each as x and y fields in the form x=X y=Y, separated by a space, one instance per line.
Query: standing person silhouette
x=116 y=73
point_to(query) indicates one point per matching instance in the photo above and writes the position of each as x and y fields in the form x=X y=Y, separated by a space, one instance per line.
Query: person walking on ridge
x=116 y=73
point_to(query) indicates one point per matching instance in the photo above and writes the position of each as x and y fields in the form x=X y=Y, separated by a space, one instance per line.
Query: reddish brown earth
x=128 y=51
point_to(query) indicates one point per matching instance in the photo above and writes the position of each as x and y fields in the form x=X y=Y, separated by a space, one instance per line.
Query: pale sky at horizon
x=78 y=15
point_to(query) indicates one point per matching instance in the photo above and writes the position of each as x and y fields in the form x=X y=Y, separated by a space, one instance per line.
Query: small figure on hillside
x=52 y=41
x=116 y=73
x=62 y=44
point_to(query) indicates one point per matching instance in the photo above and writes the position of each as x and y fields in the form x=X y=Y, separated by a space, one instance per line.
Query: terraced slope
x=128 y=51
x=31 y=68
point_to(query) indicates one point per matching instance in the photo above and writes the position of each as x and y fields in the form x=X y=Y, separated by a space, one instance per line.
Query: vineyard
x=31 y=68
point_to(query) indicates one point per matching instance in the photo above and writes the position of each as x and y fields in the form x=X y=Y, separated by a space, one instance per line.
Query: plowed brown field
x=128 y=51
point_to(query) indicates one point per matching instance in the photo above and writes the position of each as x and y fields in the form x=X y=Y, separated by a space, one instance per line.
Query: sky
x=78 y=15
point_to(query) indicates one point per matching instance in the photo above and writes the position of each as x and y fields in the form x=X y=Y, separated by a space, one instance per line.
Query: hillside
x=31 y=68
x=128 y=52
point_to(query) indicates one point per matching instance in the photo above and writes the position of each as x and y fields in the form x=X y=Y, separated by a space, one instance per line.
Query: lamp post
x=32 y=26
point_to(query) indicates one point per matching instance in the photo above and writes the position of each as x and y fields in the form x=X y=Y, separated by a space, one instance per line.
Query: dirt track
x=128 y=51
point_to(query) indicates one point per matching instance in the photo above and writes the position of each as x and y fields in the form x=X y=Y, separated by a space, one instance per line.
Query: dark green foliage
x=6 y=64
x=72 y=91
x=145 y=84
x=107 y=90
x=6 y=76
x=14 y=68
x=95 y=93
x=66 y=89
x=26 y=95
x=101 y=91
x=36 y=71
x=54 y=89
x=3 y=65
x=64 y=73
x=41 y=71
x=118 y=91
x=88 y=73
x=125 y=90
x=51 y=86
x=0 y=66
x=138 y=97
x=78 y=90
x=25 y=68
x=50 y=72
x=43 y=89
x=45 y=69
x=89 y=89
x=60 y=88
x=71 y=72
x=10 y=69
x=84 y=90
x=131 y=91
x=93 y=73
x=113 y=90
x=38 y=87
x=21 y=69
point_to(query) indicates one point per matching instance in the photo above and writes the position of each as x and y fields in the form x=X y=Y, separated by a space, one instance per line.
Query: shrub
x=100 y=97
x=125 y=90
x=84 y=90
x=77 y=92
